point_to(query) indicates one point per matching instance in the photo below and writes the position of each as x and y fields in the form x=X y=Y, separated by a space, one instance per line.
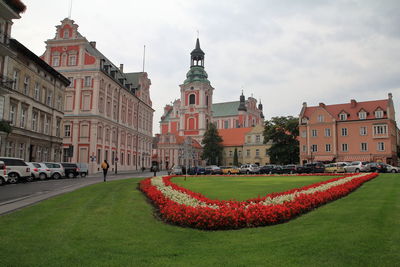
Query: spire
x=260 y=106
x=196 y=72
x=197 y=55
x=242 y=105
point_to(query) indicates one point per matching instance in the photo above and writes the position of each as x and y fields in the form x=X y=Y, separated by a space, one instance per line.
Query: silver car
x=56 y=170
x=356 y=166
x=3 y=173
x=176 y=170
x=39 y=170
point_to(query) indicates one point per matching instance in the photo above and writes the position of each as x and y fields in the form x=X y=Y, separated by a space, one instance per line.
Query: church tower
x=196 y=97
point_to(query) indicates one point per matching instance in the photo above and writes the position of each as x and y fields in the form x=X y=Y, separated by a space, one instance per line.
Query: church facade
x=185 y=121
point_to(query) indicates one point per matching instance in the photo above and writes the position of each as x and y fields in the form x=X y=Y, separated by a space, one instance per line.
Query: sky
x=281 y=52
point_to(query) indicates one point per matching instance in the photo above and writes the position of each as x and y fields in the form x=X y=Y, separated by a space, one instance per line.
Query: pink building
x=108 y=112
x=364 y=131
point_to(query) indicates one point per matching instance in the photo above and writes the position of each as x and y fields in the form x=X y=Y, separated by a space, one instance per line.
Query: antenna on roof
x=144 y=55
x=70 y=9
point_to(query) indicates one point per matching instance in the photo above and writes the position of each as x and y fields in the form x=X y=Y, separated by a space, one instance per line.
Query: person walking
x=105 y=167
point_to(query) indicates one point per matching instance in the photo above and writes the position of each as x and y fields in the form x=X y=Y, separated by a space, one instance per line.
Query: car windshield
x=355 y=163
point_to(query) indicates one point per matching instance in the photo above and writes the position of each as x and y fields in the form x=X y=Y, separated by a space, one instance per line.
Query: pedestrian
x=105 y=167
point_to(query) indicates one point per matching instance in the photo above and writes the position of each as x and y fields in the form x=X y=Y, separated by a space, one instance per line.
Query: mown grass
x=112 y=224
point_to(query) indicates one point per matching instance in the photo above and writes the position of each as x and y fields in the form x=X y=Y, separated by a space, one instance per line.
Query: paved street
x=16 y=196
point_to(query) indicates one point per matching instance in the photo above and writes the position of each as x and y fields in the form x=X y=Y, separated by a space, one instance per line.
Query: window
x=328 y=147
x=226 y=124
x=327 y=132
x=257 y=152
x=49 y=98
x=192 y=99
x=58 y=126
x=13 y=113
x=56 y=61
x=344 y=131
x=230 y=153
x=362 y=115
x=15 y=79
x=304 y=148
x=381 y=146
x=364 y=147
x=266 y=152
x=248 y=152
x=88 y=81
x=36 y=93
x=345 y=147
x=363 y=130
x=303 y=133
x=71 y=60
x=67 y=130
x=47 y=125
x=320 y=118
x=314 y=148
x=71 y=81
x=313 y=133
x=379 y=114
x=258 y=139
x=26 y=85
x=66 y=33
x=343 y=116
x=23 y=118
x=59 y=107
x=34 y=121
x=21 y=151
x=380 y=129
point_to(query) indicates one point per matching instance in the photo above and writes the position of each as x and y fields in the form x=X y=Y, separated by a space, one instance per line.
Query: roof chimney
x=121 y=67
x=353 y=103
x=93 y=44
x=304 y=104
x=322 y=105
x=390 y=95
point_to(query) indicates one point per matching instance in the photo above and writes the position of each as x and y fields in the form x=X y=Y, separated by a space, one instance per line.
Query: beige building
x=249 y=145
x=108 y=112
x=31 y=100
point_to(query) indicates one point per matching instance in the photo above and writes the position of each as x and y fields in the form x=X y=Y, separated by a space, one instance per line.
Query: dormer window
x=379 y=114
x=320 y=118
x=66 y=33
x=304 y=120
x=343 y=116
x=362 y=115
x=71 y=60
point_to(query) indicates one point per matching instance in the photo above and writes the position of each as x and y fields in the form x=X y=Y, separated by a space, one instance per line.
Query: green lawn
x=244 y=187
x=112 y=224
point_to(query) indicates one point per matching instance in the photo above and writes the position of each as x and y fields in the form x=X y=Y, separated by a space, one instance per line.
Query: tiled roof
x=352 y=111
x=233 y=136
x=225 y=109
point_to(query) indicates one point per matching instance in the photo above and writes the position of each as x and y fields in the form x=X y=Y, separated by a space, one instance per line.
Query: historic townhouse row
x=31 y=100
x=108 y=113
x=364 y=131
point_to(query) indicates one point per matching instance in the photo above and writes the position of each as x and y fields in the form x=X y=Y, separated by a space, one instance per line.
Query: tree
x=235 y=158
x=212 y=150
x=283 y=132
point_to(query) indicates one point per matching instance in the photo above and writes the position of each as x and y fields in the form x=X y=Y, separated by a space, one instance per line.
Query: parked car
x=334 y=168
x=196 y=170
x=375 y=167
x=83 y=169
x=267 y=169
x=314 y=167
x=356 y=166
x=230 y=170
x=213 y=169
x=176 y=170
x=291 y=168
x=392 y=169
x=56 y=170
x=249 y=169
x=3 y=173
x=39 y=170
x=71 y=169
x=17 y=169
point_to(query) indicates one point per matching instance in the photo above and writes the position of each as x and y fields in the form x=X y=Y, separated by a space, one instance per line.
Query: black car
x=71 y=169
x=315 y=167
x=196 y=170
x=267 y=169
x=375 y=167
x=291 y=168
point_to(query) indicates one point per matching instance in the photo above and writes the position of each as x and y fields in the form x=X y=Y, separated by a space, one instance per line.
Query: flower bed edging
x=180 y=206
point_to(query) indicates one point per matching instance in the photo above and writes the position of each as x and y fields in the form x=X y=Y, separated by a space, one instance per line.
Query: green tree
x=283 y=132
x=212 y=150
x=235 y=158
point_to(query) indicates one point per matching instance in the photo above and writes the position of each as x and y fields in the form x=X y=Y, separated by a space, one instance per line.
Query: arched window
x=192 y=99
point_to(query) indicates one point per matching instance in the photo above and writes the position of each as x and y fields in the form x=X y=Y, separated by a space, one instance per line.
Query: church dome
x=196 y=74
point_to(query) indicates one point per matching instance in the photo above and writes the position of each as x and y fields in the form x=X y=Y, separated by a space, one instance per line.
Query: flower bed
x=180 y=206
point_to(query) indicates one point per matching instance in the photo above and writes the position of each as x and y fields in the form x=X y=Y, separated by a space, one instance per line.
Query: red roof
x=351 y=109
x=234 y=136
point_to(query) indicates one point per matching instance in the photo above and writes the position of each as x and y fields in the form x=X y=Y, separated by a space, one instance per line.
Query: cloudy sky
x=282 y=52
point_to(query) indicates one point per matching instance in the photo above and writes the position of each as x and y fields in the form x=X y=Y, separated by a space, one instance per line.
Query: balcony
x=5 y=84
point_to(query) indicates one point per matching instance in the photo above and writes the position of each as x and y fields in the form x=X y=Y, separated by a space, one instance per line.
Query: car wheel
x=70 y=175
x=83 y=174
x=229 y=173
x=56 y=176
x=393 y=171
x=30 y=178
x=13 y=178
x=357 y=170
x=247 y=172
x=42 y=176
